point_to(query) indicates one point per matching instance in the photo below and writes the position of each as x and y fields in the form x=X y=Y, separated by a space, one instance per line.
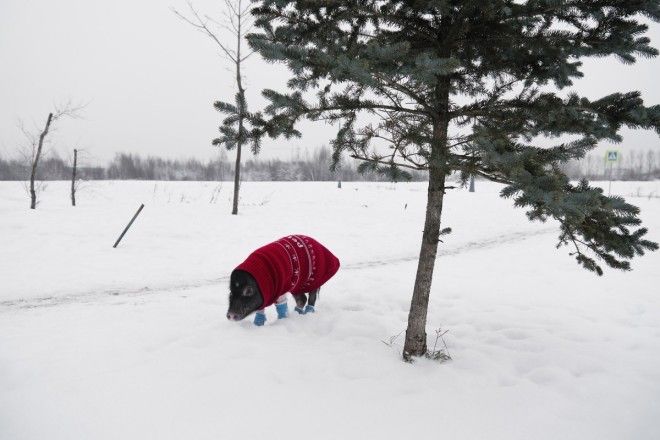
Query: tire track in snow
x=467 y=247
x=92 y=296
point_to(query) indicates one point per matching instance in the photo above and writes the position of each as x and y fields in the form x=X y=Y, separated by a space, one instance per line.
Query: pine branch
x=388 y=162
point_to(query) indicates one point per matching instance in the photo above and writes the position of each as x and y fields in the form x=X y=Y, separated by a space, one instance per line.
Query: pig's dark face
x=244 y=295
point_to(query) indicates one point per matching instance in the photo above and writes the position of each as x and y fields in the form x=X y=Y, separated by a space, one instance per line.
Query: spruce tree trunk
x=237 y=178
x=35 y=162
x=415 y=344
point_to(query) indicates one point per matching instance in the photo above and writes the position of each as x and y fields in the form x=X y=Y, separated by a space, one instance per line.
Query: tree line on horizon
x=636 y=164
x=632 y=165
x=128 y=166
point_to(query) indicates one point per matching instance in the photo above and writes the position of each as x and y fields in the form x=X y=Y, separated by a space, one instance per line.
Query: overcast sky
x=150 y=79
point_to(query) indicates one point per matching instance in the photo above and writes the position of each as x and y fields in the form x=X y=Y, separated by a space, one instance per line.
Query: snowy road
x=33 y=300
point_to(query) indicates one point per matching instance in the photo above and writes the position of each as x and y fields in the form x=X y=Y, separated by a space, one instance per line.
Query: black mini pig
x=295 y=263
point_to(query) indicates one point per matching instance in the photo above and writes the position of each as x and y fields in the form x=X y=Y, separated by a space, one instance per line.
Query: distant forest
x=632 y=165
x=125 y=166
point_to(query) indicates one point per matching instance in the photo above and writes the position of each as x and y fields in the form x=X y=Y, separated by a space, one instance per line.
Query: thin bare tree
x=36 y=144
x=650 y=164
x=237 y=20
x=74 y=169
x=36 y=139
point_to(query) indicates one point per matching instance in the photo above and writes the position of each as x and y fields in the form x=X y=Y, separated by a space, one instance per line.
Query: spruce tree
x=235 y=130
x=472 y=88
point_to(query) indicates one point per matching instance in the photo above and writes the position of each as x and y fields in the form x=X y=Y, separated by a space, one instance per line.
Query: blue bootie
x=309 y=309
x=300 y=310
x=259 y=319
x=282 y=310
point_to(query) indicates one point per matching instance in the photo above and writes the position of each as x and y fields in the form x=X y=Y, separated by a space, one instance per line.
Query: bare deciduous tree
x=36 y=139
x=74 y=169
x=236 y=20
x=650 y=163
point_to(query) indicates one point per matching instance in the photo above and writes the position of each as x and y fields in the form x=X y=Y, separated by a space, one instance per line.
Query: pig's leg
x=260 y=317
x=282 y=307
x=313 y=295
x=301 y=300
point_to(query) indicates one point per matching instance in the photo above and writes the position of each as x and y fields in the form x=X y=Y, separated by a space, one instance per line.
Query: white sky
x=150 y=79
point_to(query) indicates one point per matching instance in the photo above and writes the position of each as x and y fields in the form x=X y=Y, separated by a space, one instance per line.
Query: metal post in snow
x=128 y=225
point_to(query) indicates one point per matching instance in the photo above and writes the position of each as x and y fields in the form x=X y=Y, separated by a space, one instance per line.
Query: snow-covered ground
x=132 y=343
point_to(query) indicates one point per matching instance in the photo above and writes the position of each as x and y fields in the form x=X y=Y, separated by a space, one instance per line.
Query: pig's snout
x=232 y=316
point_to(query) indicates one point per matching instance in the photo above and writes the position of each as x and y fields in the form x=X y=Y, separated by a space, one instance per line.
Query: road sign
x=612 y=156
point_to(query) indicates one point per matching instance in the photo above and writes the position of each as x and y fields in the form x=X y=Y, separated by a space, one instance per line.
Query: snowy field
x=132 y=343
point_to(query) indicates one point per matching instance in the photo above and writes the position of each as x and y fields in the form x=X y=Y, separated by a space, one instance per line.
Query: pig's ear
x=248 y=291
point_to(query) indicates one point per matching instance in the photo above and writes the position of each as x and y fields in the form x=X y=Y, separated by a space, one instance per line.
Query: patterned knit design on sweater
x=295 y=263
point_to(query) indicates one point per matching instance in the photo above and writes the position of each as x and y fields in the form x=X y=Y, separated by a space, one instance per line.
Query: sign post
x=612 y=156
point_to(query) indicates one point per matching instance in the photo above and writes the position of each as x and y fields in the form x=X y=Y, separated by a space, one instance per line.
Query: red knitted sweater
x=295 y=263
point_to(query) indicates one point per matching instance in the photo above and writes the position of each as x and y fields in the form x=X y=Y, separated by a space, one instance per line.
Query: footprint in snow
x=516 y=335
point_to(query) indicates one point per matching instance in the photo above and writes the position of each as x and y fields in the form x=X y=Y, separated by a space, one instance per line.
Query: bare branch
x=248 y=55
x=69 y=110
x=201 y=25
x=231 y=7
x=232 y=30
